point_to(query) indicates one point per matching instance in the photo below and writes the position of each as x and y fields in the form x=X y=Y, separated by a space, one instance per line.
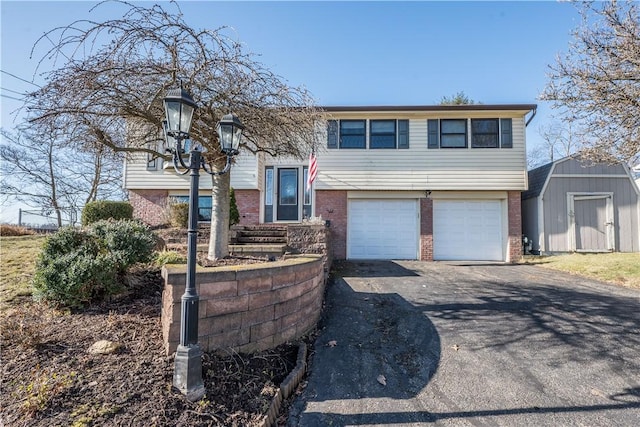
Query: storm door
x=287 y=195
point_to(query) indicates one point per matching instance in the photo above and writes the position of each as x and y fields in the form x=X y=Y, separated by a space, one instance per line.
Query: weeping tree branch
x=114 y=75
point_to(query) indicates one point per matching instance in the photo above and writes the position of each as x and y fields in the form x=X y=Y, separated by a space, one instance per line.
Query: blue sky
x=348 y=53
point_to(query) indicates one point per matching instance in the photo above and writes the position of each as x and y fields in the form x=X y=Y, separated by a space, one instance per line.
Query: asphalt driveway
x=415 y=343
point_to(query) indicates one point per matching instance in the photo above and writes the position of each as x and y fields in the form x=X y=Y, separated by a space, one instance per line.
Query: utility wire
x=11 y=90
x=10 y=97
x=20 y=78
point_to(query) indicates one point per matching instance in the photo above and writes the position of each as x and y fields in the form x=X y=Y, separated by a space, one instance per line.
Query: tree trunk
x=219 y=238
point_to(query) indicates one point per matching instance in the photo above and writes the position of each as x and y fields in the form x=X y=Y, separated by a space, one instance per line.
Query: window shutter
x=403 y=133
x=506 y=133
x=332 y=134
x=432 y=126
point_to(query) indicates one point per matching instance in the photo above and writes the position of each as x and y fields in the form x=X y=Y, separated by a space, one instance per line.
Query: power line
x=10 y=97
x=11 y=90
x=20 y=78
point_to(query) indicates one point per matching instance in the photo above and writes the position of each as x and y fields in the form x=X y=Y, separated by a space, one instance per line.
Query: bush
x=106 y=209
x=77 y=267
x=234 y=214
x=130 y=242
x=180 y=215
x=169 y=257
x=14 y=230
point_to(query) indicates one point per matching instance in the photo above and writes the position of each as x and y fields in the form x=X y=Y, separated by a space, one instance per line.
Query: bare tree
x=558 y=141
x=43 y=169
x=596 y=84
x=117 y=72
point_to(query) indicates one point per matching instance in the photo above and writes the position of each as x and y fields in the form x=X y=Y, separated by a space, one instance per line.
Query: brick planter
x=247 y=308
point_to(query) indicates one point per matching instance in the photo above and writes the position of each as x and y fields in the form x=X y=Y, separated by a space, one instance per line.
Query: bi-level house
x=394 y=182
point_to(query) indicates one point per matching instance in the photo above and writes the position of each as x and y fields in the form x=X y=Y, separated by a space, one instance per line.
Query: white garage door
x=382 y=229
x=467 y=230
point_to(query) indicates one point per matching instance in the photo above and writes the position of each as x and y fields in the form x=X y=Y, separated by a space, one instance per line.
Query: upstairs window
x=453 y=133
x=388 y=133
x=382 y=134
x=353 y=134
x=484 y=133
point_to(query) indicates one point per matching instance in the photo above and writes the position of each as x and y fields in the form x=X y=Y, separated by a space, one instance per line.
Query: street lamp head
x=230 y=133
x=179 y=107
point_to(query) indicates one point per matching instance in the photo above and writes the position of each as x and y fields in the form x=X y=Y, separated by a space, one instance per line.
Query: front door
x=287 y=194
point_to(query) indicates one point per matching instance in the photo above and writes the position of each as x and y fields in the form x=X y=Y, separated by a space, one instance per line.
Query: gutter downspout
x=534 y=111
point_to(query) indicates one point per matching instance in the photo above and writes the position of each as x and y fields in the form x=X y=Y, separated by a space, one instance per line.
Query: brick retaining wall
x=247 y=308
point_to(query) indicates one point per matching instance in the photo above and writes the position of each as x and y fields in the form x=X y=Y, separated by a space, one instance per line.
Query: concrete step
x=257 y=250
x=263 y=232
x=256 y=240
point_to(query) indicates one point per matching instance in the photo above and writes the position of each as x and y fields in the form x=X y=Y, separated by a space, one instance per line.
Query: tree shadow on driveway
x=488 y=344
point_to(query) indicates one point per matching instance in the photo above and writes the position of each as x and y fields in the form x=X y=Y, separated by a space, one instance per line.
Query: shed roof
x=537 y=178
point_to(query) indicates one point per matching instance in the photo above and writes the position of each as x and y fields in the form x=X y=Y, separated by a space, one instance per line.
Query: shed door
x=593 y=225
x=467 y=230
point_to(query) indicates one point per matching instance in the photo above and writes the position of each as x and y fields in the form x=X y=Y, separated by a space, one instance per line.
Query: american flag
x=313 y=170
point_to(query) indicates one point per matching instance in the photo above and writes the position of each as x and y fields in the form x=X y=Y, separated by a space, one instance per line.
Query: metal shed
x=572 y=206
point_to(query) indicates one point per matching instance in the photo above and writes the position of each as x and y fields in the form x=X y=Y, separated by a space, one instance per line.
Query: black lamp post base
x=187 y=374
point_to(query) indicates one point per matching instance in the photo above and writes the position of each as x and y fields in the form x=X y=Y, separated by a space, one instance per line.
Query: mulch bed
x=50 y=379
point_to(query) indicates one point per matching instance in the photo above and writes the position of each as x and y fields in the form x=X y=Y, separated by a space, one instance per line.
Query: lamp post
x=179 y=107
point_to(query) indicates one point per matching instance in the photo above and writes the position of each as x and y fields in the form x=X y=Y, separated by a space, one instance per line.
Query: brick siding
x=248 y=202
x=426 y=230
x=514 y=250
x=332 y=206
x=149 y=206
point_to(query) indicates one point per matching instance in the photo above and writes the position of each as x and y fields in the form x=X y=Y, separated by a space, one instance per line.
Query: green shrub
x=74 y=270
x=130 y=242
x=234 y=214
x=180 y=215
x=169 y=257
x=77 y=267
x=106 y=209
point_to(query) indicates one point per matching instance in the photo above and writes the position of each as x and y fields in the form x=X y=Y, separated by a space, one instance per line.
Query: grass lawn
x=17 y=262
x=619 y=268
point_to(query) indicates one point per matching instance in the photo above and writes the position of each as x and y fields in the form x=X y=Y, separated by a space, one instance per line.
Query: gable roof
x=469 y=107
x=539 y=176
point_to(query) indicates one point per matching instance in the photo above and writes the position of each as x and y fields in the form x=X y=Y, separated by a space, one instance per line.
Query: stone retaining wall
x=249 y=307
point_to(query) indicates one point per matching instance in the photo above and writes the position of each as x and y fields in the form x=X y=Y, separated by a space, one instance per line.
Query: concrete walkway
x=411 y=343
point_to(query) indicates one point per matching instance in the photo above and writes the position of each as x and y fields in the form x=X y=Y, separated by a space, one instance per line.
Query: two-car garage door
x=389 y=229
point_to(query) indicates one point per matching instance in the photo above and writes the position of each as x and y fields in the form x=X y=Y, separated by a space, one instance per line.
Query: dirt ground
x=49 y=378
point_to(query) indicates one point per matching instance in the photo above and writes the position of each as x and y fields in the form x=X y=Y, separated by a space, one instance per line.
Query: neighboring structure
x=576 y=207
x=425 y=182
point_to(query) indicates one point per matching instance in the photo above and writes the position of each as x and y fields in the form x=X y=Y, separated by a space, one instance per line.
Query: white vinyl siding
x=419 y=168
x=244 y=175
